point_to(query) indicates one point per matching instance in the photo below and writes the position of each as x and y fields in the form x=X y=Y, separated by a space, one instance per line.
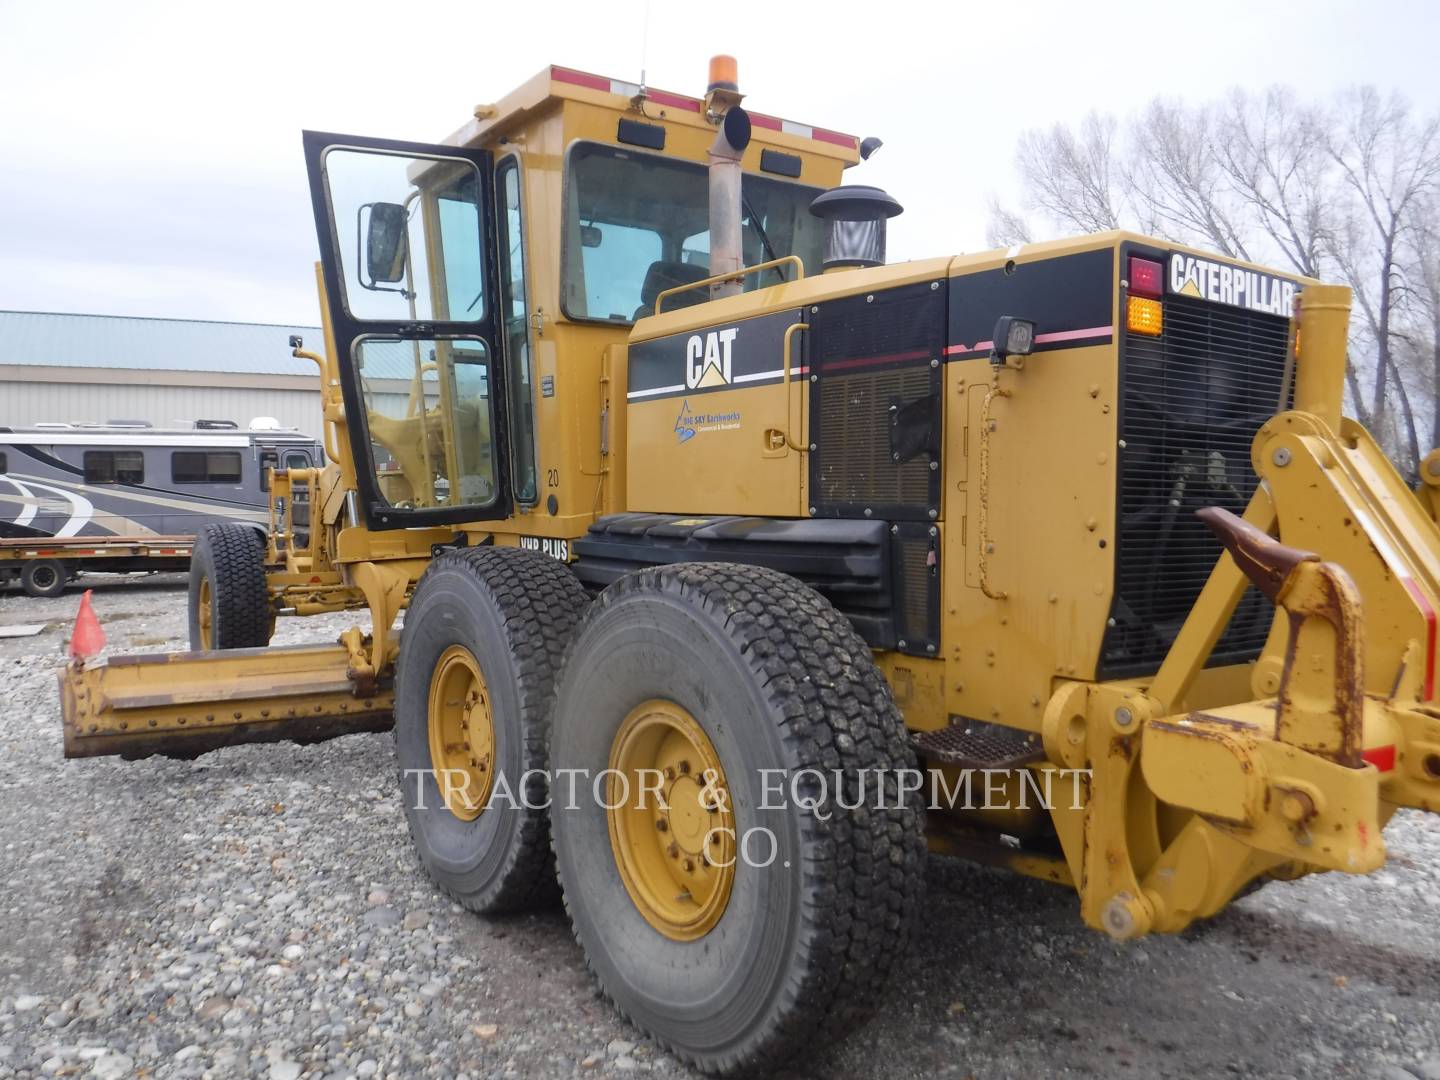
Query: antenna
x=644 y=47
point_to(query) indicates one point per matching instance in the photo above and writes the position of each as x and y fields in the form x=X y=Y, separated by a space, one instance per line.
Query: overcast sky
x=150 y=153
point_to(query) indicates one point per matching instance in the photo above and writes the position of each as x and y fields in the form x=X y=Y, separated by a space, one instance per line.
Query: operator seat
x=663 y=275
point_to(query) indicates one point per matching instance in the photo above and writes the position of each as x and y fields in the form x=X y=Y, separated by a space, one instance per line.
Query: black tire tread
x=237 y=586
x=838 y=713
x=540 y=601
x=27 y=578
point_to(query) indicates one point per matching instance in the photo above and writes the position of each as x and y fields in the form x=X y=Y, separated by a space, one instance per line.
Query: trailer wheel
x=726 y=899
x=229 y=605
x=484 y=635
x=44 y=577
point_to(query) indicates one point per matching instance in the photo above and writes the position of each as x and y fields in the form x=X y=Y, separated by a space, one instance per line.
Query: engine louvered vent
x=874 y=362
x=1191 y=401
x=857 y=466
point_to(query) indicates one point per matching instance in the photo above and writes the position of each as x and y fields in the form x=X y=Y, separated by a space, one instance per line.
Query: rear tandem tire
x=229 y=604
x=44 y=577
x=497 y=619
x=786 y=693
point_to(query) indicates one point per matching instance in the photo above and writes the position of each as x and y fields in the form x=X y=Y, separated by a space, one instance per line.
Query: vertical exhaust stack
x=722 y=107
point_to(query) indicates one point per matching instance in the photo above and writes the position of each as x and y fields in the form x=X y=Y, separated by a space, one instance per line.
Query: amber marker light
x=1144 y=316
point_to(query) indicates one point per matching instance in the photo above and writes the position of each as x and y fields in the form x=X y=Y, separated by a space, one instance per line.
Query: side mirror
x=385 y=243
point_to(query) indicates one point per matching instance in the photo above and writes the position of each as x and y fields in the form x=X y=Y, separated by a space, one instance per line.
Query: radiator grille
x=856 y=466
x=1191 y=401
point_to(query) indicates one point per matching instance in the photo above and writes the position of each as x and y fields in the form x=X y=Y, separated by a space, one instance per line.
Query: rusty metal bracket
x=1320 y=705
x=987 y=546
x=385 y=585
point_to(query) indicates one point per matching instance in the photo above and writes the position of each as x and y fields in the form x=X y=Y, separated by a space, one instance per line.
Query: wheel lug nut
x=689 y=865
x=662 y=825
x=669 y=772
x=673 y=851
x=685 y=768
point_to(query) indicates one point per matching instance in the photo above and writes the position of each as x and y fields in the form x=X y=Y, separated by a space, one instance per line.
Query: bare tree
x=1423 y=261
x=1006 y=228
x=1175 y=179
x=1390 y=165
x=1274 y=154
x=1071 y=176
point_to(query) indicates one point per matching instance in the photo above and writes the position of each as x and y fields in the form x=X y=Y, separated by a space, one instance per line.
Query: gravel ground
x=259 y=912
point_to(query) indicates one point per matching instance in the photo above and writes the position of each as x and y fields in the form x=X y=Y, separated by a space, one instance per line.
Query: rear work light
x=1145 y=278
x=1144 y=316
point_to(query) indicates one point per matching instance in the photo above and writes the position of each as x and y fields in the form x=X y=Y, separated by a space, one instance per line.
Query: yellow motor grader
x=739 y=567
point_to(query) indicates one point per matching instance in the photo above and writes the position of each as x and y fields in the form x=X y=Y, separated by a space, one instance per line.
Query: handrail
x=798 y=263
x=325 y=381
x=790 y=332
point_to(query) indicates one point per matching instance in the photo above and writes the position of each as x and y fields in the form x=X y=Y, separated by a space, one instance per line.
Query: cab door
x=407 y=245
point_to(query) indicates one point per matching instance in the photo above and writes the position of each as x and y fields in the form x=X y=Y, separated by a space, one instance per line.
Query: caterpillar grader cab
x=732 y=559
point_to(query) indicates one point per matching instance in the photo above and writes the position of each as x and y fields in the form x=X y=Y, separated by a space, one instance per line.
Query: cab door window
x=408 y=242
x=431 y=420
x=515 y=317
x=415 y=258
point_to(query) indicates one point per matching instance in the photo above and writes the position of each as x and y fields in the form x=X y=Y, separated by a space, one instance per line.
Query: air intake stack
x=856 y=214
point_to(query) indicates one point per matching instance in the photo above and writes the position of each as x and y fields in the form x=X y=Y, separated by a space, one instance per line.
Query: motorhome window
x=205 y=467
x=297 y=459
x=636 y=224
x=114 y=467
x=4 y=464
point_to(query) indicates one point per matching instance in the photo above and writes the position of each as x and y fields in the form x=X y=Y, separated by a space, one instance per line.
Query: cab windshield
x=637 y=224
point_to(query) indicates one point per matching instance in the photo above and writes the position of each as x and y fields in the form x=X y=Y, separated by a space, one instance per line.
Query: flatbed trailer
x=44 y=565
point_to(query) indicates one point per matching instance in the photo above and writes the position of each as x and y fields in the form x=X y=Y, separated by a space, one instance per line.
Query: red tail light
x=1145 y=278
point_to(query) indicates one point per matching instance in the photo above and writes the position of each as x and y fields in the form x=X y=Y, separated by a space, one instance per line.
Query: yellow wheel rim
x=204 y=615
x=462 y=733
x=671 y=825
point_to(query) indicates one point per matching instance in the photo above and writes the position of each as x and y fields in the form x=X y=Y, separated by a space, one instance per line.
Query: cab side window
x=513 y=311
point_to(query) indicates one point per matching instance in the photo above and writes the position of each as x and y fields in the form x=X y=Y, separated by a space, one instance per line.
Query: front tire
x=229 y=604
x=784 y=692
x=484 y=635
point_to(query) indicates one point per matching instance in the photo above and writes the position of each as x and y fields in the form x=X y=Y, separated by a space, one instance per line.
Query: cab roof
x=558 y=84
